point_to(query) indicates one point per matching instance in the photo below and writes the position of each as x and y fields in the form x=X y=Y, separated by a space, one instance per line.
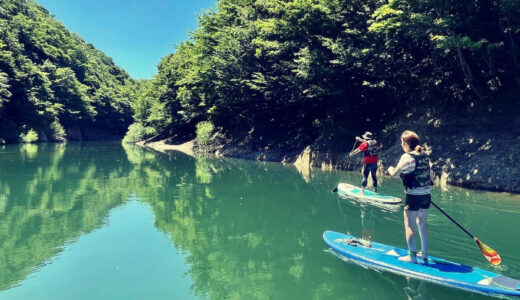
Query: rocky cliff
x=473 y=147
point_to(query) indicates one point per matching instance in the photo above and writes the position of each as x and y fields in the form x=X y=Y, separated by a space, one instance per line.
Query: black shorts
x=416 y=202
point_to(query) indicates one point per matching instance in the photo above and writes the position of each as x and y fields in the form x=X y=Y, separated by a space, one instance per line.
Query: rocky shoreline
x=450 y=171
x=163 y=146
x=477 y=152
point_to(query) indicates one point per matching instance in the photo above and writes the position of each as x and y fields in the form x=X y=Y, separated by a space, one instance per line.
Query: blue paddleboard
x=385 y=258
x=352 y=191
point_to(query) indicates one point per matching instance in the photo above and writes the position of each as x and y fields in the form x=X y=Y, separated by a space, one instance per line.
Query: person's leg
x=409 y=227
x=366 y=170
x=374 y=176
x=421 y=220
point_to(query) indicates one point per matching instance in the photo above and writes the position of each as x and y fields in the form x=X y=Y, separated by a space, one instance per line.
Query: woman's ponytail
x=412 y=140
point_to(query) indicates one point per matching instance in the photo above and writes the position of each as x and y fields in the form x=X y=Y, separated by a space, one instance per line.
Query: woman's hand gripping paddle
x=490 y=254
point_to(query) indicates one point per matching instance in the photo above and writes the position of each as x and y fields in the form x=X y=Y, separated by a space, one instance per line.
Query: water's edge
x=446 y=172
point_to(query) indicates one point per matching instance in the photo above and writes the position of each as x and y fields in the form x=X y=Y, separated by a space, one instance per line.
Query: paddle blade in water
x=490 y=254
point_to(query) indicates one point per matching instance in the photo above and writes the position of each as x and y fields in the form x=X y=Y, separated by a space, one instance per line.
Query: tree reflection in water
x=247 y=230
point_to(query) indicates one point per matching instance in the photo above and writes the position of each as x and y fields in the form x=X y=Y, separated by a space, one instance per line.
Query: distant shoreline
x=309 y=158
x=161 y=146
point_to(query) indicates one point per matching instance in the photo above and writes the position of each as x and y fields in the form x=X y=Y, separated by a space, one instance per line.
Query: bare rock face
x=473 y=159
x=74 y=134
x=473 y=152
x=42 y=137
x=476 y=151
x=90 y=134
x=472 y=147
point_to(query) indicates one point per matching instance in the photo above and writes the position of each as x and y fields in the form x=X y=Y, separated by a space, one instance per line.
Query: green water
x=103 y=221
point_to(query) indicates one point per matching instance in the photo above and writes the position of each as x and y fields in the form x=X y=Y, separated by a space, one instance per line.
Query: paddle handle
x=444 y=213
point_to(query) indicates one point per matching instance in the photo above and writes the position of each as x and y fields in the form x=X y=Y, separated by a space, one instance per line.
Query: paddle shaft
x=444 y=213
x=490 y=254
x=334 y=190
x=353 y=147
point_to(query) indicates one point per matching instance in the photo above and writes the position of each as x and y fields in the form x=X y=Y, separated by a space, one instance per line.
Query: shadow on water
x=248 y=230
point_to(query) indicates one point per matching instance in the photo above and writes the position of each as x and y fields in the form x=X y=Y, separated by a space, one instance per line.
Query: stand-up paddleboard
x=349 y=190
x=385 y=258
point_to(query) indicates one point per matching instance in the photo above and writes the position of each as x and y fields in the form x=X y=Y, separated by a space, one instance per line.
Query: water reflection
x=252 y=230
x=49 y=196
x=29 y=151
x=248 y=230
x=231 y=219
x=415 y=289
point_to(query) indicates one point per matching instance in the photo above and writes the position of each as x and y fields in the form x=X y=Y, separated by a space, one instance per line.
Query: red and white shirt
x=368 y=159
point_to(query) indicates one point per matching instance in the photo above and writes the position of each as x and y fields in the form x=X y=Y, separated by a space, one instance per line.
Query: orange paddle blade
x=490 y=254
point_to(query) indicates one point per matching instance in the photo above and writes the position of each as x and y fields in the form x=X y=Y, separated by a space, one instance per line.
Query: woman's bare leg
x=423 y=231
x=409 y=228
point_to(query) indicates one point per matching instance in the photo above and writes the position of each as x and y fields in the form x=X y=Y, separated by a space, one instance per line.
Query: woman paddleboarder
x=414 y=168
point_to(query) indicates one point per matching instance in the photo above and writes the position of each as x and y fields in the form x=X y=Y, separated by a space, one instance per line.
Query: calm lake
x=112 y=221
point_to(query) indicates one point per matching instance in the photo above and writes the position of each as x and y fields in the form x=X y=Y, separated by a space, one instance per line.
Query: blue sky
x=135 y=33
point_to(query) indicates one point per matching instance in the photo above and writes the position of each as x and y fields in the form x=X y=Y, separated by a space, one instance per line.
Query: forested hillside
x=271 y=72
x=270 y=78
x=53 y=85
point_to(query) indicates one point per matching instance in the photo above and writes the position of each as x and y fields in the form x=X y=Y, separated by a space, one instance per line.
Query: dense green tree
x=453 y=46
x=54 y=83
x=311 y=71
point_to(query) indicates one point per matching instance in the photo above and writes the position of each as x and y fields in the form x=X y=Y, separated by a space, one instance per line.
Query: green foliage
x=58 y=132
x=49 y=75
x=30 y=136
x=204 y=134
x=4 y=89
x=275 y=71
x=137 y=132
